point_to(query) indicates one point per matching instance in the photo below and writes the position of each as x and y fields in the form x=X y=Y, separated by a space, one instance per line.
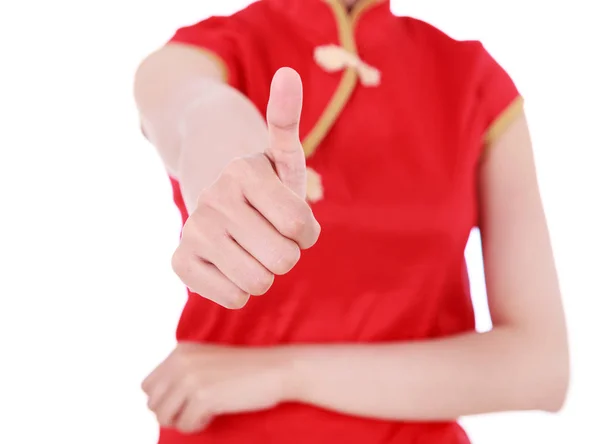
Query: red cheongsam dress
x=396 y=118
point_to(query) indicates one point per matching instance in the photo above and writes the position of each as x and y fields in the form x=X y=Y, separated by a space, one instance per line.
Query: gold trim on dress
x=212 y=55
x=503 y=121
x=346 y=24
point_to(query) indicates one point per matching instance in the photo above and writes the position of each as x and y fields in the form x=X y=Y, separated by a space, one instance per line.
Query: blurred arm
x=195 y=120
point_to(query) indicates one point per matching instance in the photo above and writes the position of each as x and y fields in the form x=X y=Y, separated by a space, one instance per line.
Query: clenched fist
x=251 y=224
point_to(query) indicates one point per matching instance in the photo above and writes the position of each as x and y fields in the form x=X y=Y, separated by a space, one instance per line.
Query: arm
x=195 y=120
x=522 y=364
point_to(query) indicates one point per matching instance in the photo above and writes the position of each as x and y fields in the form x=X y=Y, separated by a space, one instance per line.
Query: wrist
x=291 y=363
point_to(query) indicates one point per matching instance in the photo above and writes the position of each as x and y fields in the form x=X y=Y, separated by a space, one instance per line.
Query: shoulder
x=467 y=63
x=483 y=94
x=437 y=45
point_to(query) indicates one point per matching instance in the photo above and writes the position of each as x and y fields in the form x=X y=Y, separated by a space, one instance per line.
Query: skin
x=196 y=123
x=349 y=3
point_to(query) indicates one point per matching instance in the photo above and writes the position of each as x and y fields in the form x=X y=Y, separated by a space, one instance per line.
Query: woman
x=411 y=139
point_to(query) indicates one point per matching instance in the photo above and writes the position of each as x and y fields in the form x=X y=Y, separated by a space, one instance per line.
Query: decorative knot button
x=333 y=58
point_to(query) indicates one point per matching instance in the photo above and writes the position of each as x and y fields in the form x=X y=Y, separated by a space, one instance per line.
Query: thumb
x=283 y=119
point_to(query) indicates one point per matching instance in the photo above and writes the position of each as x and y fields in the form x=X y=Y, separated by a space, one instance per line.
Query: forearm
x=197 y=122
x=199 y=134
x=217 y=128
x=443 y=379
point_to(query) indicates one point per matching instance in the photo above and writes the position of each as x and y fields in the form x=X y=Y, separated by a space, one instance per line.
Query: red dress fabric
x=398 y=164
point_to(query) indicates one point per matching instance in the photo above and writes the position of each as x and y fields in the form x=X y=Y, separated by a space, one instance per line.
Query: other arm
x=522 y=364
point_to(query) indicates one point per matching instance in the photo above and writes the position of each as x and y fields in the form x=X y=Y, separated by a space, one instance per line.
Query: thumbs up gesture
x=251 y=224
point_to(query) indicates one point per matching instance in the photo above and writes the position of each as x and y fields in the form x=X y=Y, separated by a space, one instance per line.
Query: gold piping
x=213 y=56
x=346 y=25
x=220 y=62
x=503 y=121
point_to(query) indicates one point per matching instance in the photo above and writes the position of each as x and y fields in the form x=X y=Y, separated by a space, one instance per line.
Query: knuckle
x=192 y=229
x=257 y=161
x=286 y=259
x=185 y=429
x=236 y=300
x=260 y=283
x=304 y=213
x=201 y=232
x=248 y=168
x=181 y=263
x=152 y=404
x=225 y=192
x=163 y=420
x=315 y=232
x=261 y=162
x=238 y=168
x=208 y=198
x=294 y=226
x=196 y=424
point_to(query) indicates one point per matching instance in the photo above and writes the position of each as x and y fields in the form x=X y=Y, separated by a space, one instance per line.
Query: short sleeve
x=499 y=102
x=220 y=39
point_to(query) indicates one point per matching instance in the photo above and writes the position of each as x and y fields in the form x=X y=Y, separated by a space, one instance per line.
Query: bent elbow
x=558 y=390
x=553 y=381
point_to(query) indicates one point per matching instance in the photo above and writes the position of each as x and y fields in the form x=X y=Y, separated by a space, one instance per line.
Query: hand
x=252 y=222
x=196 y=383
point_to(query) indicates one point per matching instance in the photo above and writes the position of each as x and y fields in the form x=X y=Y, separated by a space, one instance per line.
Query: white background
x=88 y=304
